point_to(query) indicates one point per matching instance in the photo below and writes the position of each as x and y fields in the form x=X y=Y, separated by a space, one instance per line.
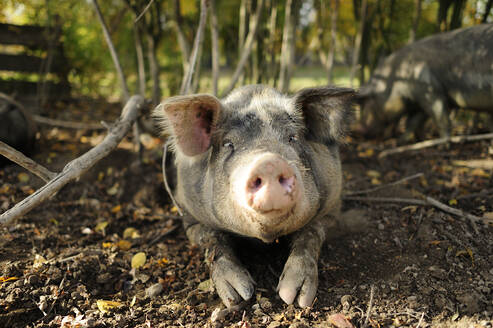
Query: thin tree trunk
x=333 y=38
x=196 y=74
x=416 y=18
x=154 y=69
x=247 y=49
x=194 y=57
x=489 y=4
x=456 y=19
x=287 y=49
x=114 y=56
x=242 y=30
x=272 y=35
x=140 y=59
x=182 y=40
x=357 y=42
x=214 y=46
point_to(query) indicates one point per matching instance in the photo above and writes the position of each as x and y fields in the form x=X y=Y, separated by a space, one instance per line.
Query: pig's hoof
x=232 y=281
x=299 y=278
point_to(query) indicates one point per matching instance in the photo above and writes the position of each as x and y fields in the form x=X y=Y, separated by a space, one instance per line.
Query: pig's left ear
x=327 y=112
x=190 y=121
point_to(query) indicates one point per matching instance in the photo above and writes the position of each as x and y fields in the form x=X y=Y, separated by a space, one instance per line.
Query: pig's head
x=258 y=163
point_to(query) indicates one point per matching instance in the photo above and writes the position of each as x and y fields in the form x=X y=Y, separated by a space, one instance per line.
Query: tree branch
x=247 y=48
x=27 y=163
x=68 y=124
x=78 y=166
x=114 y=55
x=435 y=142
x=199 y=38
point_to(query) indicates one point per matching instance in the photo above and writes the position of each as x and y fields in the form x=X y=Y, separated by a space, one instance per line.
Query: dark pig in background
x=259 y=164
x=429 y=77
x=17 y=128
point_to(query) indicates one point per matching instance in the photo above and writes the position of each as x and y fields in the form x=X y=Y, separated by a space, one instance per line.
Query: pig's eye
x=293 y=138
x=229 y=145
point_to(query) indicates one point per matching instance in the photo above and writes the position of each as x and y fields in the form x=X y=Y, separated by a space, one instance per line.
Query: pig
x=259 y=164
x=17 y=127
x=431 y=76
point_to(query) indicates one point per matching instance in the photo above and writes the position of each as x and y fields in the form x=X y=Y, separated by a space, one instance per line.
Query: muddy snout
x=271 y=185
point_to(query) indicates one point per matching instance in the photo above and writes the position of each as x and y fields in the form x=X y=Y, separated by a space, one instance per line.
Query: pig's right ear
x=190 y=121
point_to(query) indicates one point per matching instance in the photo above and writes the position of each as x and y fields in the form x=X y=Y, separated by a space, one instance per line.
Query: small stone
x=381 y=226
x=154 y=290
x=346 y=302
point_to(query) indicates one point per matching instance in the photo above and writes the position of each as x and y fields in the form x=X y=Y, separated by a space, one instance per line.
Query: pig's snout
x=271 y=185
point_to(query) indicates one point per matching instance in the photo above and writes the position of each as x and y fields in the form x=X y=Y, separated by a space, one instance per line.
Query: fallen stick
x=27 y=163
x=68 y=124
x=78 y=166
x=426 y=201
x=366 y=191
x=435 y=142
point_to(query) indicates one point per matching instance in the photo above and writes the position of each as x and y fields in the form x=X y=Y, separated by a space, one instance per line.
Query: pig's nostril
x=287 y=183
x=257 y=183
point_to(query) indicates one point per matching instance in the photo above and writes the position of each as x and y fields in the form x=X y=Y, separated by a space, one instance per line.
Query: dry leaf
x=124 y=245
x=116 y=209
x=205 y=285
x=101 y=226
x=131 y=233
x=373 y=174
x=453 y=201
x=340 y=321
x=23 y=177
x=138 y=260
x=107 y=306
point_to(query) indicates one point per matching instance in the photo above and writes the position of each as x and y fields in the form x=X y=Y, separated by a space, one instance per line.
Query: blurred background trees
x=296 y=43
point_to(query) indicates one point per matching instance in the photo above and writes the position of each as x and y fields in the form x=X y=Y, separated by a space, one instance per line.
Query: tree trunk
x=416 y=17
x=182 y=40
x=456 y=19
x=271 y=71
x=357 y=42
x=154 y=69
x=242 y=30
x=114 y=56
x=288 y=45
x=247 y=48
x=489 y=4
x=333 y=38
x=196 y=51
x=139 y=49
x=214 y=47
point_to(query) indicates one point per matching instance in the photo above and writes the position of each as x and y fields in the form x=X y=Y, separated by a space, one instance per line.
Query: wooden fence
x=33 y=50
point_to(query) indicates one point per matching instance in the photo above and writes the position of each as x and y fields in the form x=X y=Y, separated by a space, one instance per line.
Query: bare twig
x=111 y=47
x=370 y=305
x=426 y=201
x=143 y=11
x=26 y=162
x=78 y=166
x=435 y=142
x=353 y=193
x=199 y=38
x=165 y=178
x=420 y=320
x=247 y=48
x=68 y=124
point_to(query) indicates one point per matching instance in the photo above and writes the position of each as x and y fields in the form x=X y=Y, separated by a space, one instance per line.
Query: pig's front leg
x=231 y=280
x=299 y=279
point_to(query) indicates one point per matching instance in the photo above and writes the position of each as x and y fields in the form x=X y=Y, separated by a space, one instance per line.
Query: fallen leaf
x=131 y=233
x=373 y=174
x=113 y=190
x=116 y=209
x=101 y=226
x=138 y=260
x=23 y=177
x=107 y=306
x=488 y=217
x=340 y=321
x=453 y=201
x=205 y=285
x=38 y=261
x=107 y=244
x=124 y=245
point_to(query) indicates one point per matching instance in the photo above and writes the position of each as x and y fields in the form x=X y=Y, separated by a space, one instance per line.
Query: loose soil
x=405 y=266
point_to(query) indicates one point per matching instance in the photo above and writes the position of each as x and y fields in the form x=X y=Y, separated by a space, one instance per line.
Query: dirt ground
x=409 y=266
